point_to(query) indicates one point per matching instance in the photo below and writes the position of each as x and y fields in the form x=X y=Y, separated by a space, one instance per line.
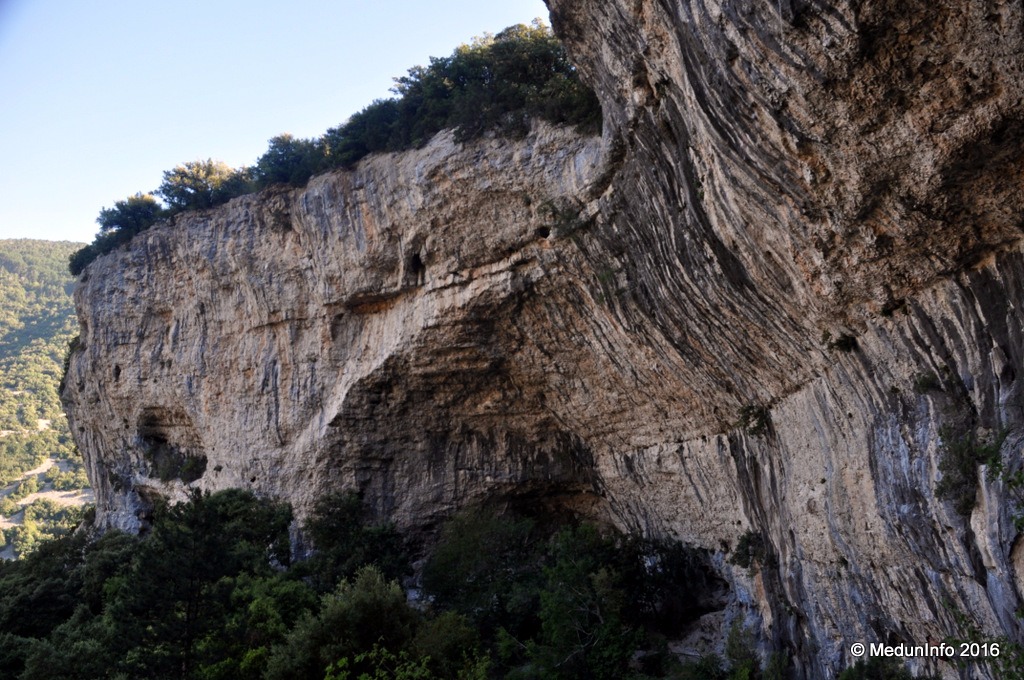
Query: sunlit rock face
x=361 y=332
x=766 y=303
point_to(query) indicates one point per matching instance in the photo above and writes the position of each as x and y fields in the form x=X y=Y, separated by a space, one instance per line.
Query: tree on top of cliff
x=117 y=225
x=495 y=84
x=133 y=214
x=201 y=184
x=288 y=160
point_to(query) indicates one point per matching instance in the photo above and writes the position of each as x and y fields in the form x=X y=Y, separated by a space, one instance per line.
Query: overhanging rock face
x=360 y=332
x=768 y=302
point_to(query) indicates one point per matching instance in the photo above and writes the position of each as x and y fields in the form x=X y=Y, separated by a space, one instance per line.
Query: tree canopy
x=496 y=84
x=195 y=185
x=131 y=215
x=288 y=160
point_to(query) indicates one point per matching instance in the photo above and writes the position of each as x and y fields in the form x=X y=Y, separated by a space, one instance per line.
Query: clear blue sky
x=99 y=98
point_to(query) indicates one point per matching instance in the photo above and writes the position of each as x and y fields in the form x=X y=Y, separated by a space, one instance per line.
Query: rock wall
x=766 y=304
x=356 y=332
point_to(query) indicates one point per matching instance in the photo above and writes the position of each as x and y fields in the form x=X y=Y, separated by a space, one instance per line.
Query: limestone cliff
x=766 y=303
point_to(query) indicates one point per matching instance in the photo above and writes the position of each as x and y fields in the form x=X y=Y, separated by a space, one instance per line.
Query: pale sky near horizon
x=98 y=99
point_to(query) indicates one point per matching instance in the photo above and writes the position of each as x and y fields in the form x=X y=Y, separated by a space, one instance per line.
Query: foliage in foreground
x=496 y=84
x=210 y=592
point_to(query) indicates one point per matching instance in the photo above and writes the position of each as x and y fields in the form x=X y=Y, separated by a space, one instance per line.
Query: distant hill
x=39 y=465
x=37 y=319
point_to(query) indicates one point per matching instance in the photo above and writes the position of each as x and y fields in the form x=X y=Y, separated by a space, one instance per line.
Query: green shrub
x=360 y=614
x=24 y=489
x=367 y=131
x=451 y=645
x=70 y=480
x=498 y=83
x=209 y=592
x=132 y=215
x=195 y=185
x=345 y=539
x=740 y=653
x=1007 y=664
x=9 y=507
x=578 y=604
x=486 y=567
x=381 y=664
x=927 y=382
x=82 y=258
x=959 y=459
x=584 y=632
x=708 y=667
x=755 y=420
x=741 y=663
x=117 y=226
x=44 y=520
x=288 y=161
x=752 y=549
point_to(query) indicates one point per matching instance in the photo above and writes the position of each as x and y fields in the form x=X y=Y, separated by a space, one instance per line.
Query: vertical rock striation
x=357 y=332
x=817 y=206
x=761 y=310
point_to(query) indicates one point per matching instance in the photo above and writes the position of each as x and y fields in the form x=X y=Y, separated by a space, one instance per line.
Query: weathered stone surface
x=787 y=170
x=809 y=211
x=308 y=340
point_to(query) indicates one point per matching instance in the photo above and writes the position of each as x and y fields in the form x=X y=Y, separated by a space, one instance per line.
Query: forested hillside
x=41 y=474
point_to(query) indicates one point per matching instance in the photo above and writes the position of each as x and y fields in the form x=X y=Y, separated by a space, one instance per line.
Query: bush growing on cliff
x=753 y=550
x=497 y=83
x=202 y=184
x=755 y=420
x=369 y=130
x=117 y=226
x=193 y=185
x=288 y=161
x=82 y=258
x=960 y=457
x=131 y=215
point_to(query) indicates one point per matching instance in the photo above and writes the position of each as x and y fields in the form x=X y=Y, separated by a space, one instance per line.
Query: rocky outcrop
x=762 y=310
x=357 y=332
